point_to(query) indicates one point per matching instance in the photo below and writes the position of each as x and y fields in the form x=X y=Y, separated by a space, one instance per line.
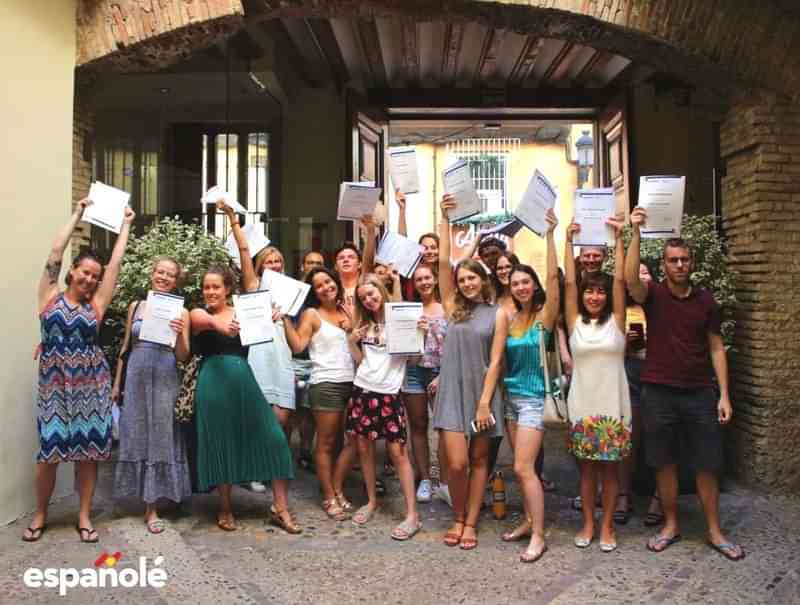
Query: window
x=489 y=163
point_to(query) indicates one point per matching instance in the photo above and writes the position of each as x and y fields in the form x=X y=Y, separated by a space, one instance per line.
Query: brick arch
x=724 y=44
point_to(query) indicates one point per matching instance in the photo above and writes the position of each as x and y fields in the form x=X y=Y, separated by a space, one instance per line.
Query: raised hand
x=572 y=229
x=129 y=216
x=447 y=204
x=400 y=199
x=552 y=220
x=638 y=217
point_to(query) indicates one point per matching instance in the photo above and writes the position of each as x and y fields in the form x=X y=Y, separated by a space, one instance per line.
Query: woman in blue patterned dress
x=74 y=419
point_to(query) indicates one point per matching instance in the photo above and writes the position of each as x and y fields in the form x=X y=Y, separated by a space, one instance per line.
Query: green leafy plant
x=189 y=244
x=711 y=266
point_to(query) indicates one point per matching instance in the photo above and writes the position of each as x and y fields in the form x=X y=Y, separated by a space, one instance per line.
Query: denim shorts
x=418 y=379
x=525 y=411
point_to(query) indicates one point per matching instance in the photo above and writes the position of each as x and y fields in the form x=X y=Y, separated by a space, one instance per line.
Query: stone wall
x=82 y=140
x=760 y=147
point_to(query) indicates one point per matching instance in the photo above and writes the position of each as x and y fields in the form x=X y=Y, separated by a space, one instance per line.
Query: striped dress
x=74 y=419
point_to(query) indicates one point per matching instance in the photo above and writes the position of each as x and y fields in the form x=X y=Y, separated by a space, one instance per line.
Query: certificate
x=107 y=209
x=216 y=193
x=400 y=251
x=403 y=168
x=403 y=337
x=592 y=208
x=458 y=182
x=256 y=241
x=509 y=228
x=287 y=293
x=537 y=199
x=662 y=199
x=357 y=200
x=254 y=314
x=160 y=309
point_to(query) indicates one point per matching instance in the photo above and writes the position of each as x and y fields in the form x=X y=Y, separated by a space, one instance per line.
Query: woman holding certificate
x=599 y=401
x=468 y=403
x=152 y=460
x=74 y=401
x=239 y=438
x=375 y=410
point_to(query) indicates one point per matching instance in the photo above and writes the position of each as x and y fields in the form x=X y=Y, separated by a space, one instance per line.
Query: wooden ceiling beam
x=526 y=61
x=410 y=52
x=559 y=69
x=367 y=34
x=486 y=71
x=323 y=37
x=597 y=63
x=286 y=48
x=453 y=39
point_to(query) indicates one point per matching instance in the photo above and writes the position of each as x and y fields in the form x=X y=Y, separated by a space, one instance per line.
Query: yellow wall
x=37 y=59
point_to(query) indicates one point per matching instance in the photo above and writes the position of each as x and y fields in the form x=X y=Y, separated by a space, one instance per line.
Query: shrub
x=711 y=268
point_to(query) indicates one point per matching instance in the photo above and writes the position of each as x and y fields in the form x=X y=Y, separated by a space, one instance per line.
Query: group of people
x=488 y=324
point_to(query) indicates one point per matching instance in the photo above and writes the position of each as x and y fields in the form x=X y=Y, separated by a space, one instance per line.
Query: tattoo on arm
x=52 y=268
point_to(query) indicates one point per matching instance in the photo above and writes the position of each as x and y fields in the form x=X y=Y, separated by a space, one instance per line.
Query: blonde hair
x=364 y=315
x=261 y=258
x=165 y=258
x=463 y=306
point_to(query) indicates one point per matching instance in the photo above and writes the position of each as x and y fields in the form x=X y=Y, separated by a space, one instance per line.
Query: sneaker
x=256 y=486
x=424 y=491
x=443 y=493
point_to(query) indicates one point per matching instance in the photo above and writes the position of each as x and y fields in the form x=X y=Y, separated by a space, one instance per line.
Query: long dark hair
x=596 y=280
x=539 y=295
x=514 y=260
x=85 y=255
x=313 y=300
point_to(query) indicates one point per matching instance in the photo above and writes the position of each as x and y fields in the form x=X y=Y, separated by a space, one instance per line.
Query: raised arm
x=105 y=291
x=446 y=286
x=473 y=247
x=298 y=338
x=552 y=302
x=402 y=225
x=48 y=282
x=368 y=263
x=397 y=285
x=250 y=281
x=495 y=368
x=636 y=288
x=570 y=279
x=618 y=225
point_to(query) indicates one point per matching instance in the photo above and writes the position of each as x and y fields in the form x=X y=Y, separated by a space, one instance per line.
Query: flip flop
x=156 y=526
x=469 y=543
x=226 y=524
x=406 y=531
x=36 y=533
x=661 y=543
x=89 y=533
x=364 y=515
x=531 y=556
x=728 y=550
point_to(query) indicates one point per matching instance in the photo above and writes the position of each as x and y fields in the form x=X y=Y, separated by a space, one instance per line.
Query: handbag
x=556 y=412
x=122 y=358
x=184 y=402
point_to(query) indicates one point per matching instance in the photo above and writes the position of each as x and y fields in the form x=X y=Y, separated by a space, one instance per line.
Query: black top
x=211 y=342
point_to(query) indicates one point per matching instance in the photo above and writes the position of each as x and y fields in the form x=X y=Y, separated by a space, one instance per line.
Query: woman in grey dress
x=152 y=457
x=468 y=403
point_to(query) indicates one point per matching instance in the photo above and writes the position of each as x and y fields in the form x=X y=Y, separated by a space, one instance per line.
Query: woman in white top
x=323 y=329
x=375 y=410
x=599 y=402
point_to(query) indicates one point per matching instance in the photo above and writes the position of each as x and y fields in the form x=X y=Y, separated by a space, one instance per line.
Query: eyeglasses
x=674 y=260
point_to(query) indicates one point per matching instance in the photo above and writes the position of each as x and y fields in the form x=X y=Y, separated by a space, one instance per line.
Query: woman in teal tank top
x=524 y=382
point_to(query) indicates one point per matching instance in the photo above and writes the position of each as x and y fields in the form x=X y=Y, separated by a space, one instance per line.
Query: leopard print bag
x=184 y=402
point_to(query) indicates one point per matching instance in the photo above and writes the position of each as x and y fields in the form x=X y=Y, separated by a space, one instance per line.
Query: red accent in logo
x=109 y=560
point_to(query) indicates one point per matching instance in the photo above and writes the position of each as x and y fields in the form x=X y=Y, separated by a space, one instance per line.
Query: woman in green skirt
x=239 y=438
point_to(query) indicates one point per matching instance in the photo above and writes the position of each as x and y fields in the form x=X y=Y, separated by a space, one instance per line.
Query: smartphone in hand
x=474 y=424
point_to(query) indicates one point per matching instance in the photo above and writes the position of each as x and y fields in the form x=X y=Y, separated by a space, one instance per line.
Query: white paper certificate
x=537 y=199
x=107 y=209
x=457 y=181
x=592 y=208
x=356 y=200
x=217 y=193
x=509 y=228
x=400 y=251
x=159 y=309
x=403 y=337
x=403 y=163
x=662 y=199
x=256 y=241
x=287 y=293
x=254 y=314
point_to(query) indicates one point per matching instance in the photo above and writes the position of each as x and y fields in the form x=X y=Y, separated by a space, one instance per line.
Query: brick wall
x=760 y=147
x=82 y=129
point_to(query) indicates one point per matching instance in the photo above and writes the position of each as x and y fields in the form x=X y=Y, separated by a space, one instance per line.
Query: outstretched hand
x=638 y=217
x=447 y=204
x=129 y=216
x=572 y=229
x=552 y=220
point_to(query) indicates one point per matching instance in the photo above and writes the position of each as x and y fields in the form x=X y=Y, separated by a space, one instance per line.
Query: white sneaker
x=443 y=493
x=257 y=486
x=424 y=491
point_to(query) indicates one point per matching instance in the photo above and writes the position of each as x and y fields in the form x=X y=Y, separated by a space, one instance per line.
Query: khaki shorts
x=330 y=396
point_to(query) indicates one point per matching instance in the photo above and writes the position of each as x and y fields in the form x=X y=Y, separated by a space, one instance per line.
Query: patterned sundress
x=74 y=399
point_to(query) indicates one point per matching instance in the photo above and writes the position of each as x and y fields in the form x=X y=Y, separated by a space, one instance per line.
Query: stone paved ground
x=340 y=563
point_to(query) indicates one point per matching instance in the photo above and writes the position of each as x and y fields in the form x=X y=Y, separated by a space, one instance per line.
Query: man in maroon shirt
x=684 y=385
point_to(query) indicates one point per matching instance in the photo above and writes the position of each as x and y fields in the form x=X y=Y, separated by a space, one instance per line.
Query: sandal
x=277 y=518
x=226 y=524
x=344 y=503
x=469 y=543
x=452 y=538
x=652 y=519
x=623 y=515
x=89 y=533
x=531 y=556
x=364 y=515
x=406 y=531
x=732 y=552
x=518 y=533
x=660 y=543
x=380 y=487
x=34 y=533
x=333 y=510
x=156 y=526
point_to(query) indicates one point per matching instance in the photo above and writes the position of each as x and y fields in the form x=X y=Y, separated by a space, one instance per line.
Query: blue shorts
x=525 y=411
x=418 y=379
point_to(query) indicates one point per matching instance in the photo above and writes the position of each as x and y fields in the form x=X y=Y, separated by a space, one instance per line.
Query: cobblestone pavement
x=341 y=563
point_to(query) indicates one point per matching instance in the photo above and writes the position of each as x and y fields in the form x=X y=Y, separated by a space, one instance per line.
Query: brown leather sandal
x=452 y=538
x=333 y=510
x=469 y=543
x=278 y=519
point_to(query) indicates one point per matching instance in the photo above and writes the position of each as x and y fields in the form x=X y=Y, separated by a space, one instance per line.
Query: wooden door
x=613 y=165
